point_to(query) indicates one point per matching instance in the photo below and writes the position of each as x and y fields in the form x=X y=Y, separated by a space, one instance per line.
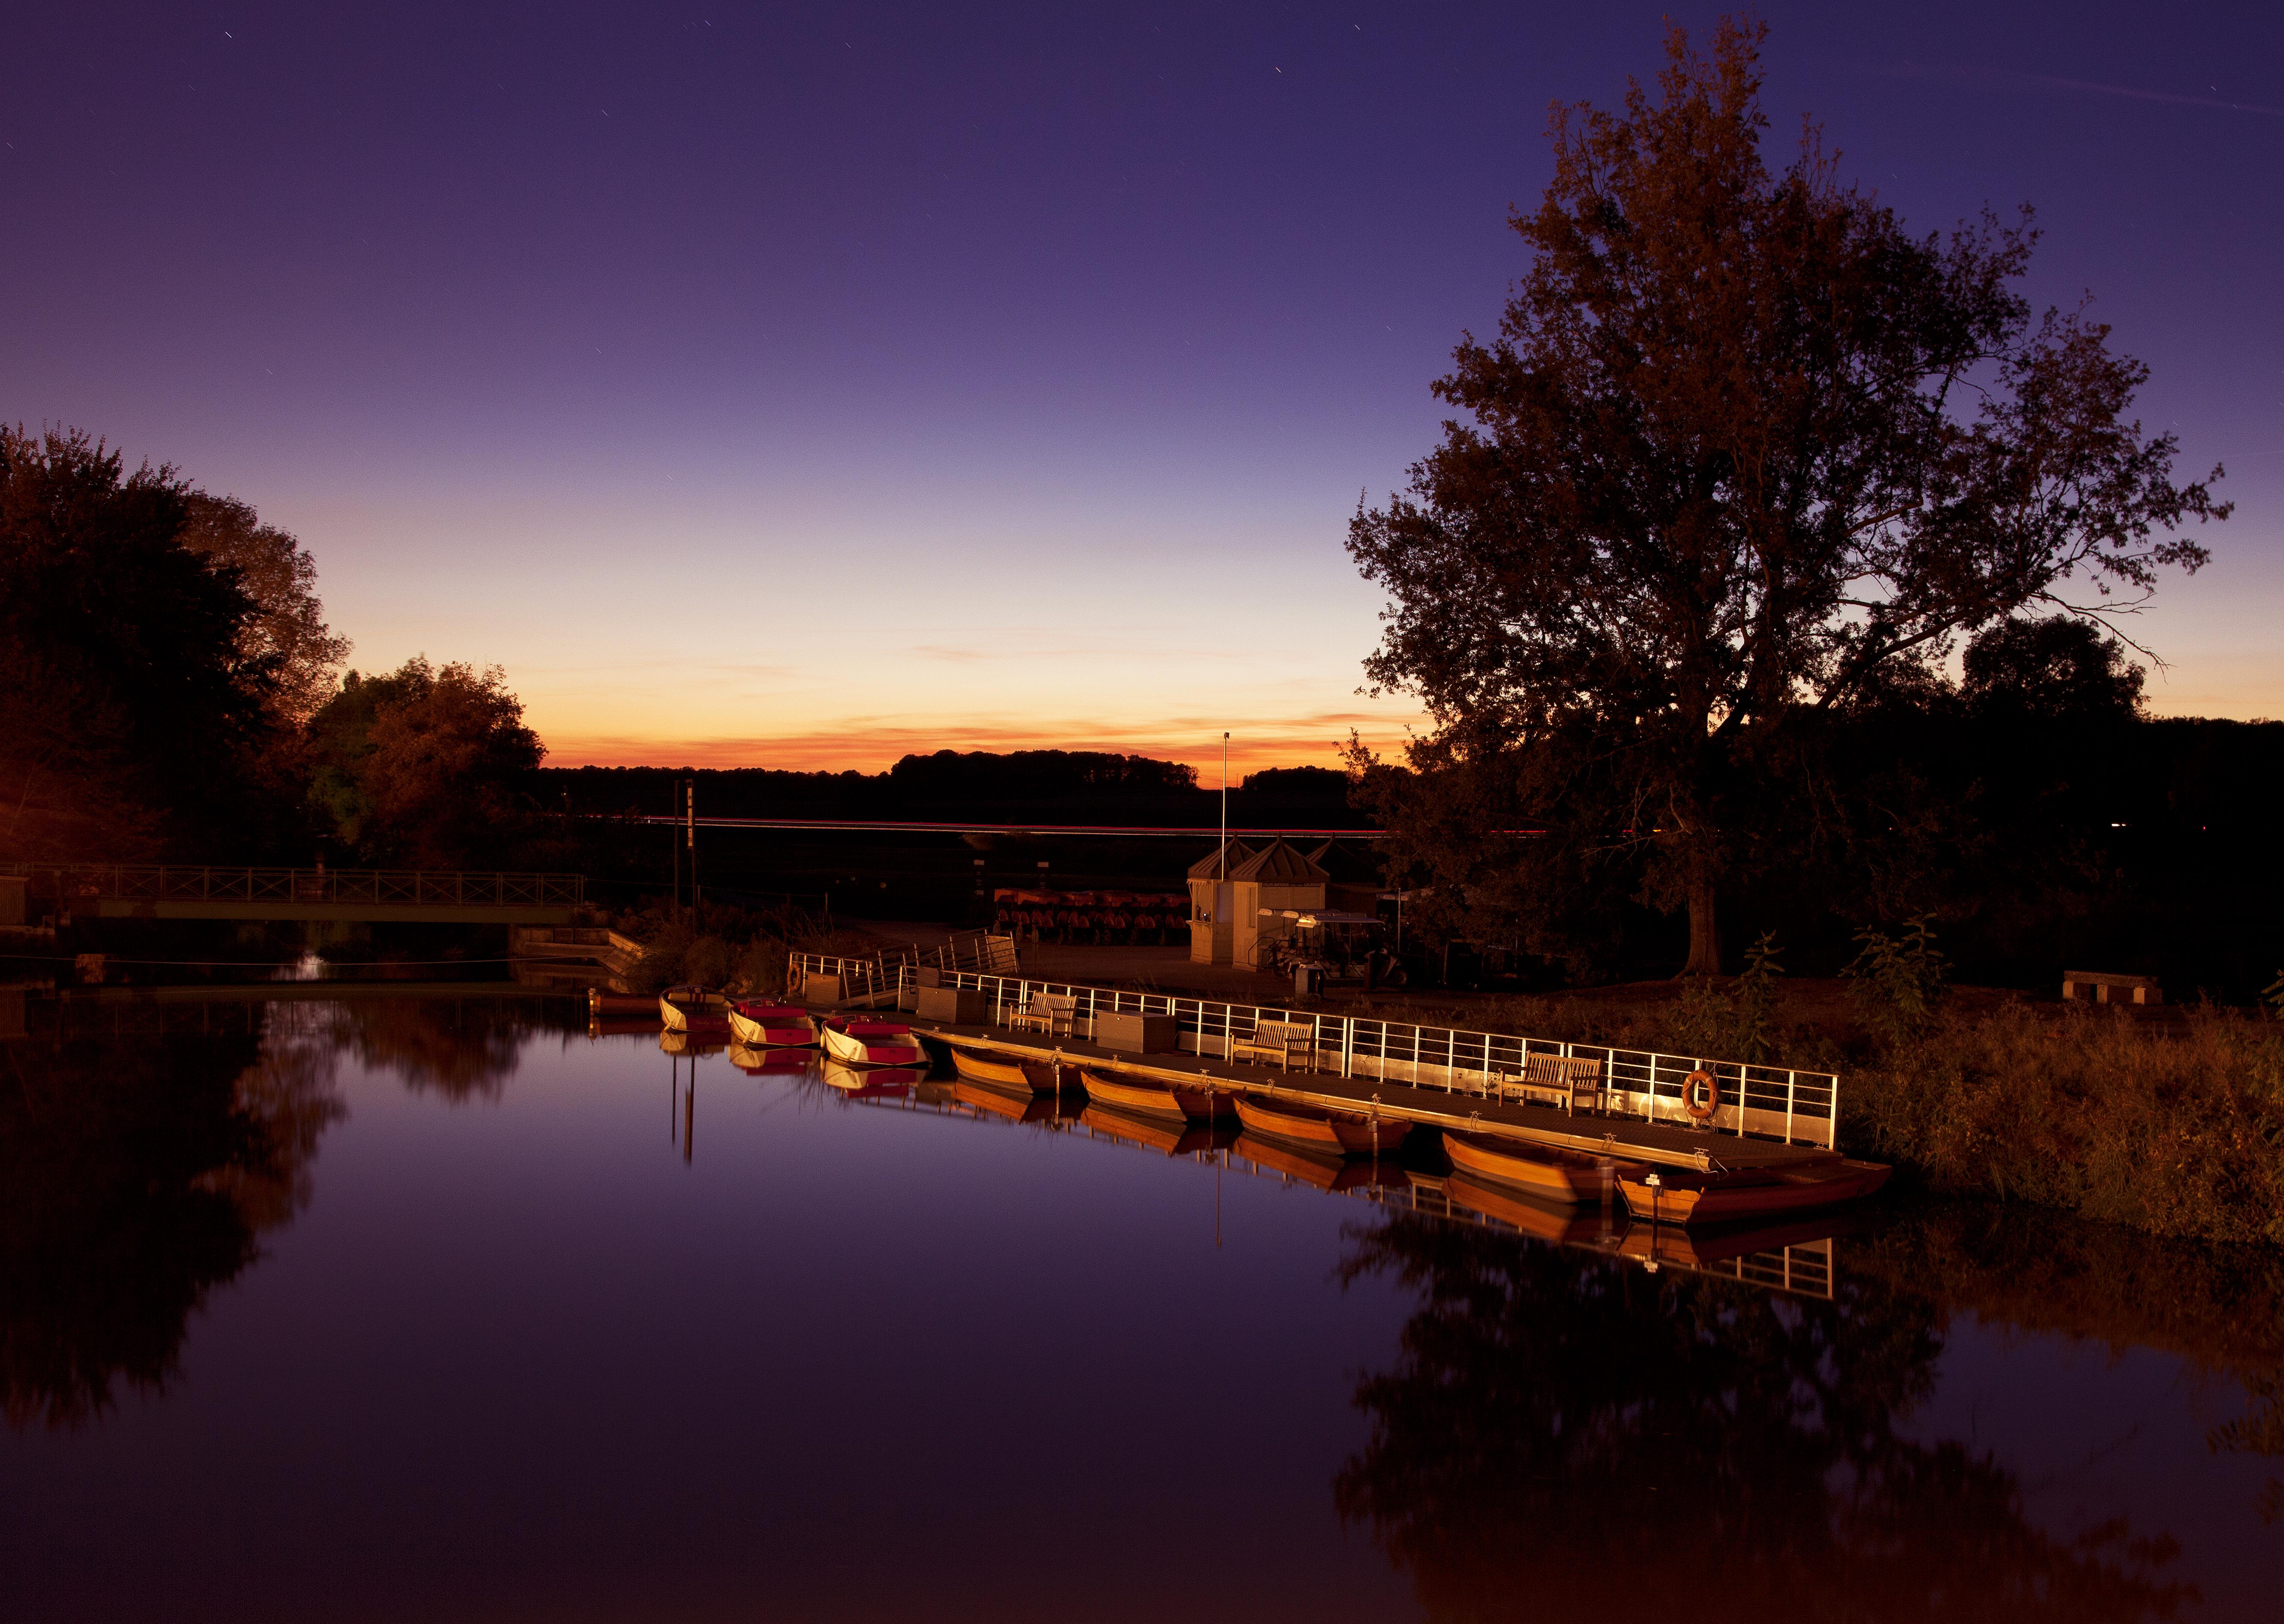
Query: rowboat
x=772 y=1025
x=994 y=1071
x=693 y=1008
x=1684 y=1196
x=1148 y=1096
x=1328 y=1133
x=746 y=1057
x=1167 y=1135
x=1539 y=1220
x=872 y=1082
x=871 y=1043
x=1566 y=1177
x=1334 y=1173
x=998 y=1101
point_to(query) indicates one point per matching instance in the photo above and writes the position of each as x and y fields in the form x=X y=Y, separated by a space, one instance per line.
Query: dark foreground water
x=395 y=1309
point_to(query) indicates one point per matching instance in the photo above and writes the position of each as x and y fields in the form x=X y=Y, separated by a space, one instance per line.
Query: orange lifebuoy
x=1702 y=1109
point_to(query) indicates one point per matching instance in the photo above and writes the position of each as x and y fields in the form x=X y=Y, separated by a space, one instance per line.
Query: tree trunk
x=1704 y=922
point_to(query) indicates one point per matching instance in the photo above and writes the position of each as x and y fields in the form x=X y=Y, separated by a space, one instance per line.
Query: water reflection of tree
x=464 y=1049
x=1561 y=1432
x=135 y=1175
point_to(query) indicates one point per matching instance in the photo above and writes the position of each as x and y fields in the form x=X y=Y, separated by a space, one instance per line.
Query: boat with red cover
x=1328 y=1133
x=760 y=1025
x=870 y=1042
x=695 y=1010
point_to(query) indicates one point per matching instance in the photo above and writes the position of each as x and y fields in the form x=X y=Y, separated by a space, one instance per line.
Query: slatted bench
x=1056 y=1014
x=1567 y=1081
x=1281 y=1041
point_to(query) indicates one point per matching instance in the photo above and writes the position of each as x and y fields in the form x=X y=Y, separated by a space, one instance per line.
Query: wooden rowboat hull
x=776 y=1029
x=1565 y=1177
x=1325 y=1132
x=706 y=1012
x=1146 y=1096
x=873 y=1049
x=1013 y=1075
x=1692 y=1199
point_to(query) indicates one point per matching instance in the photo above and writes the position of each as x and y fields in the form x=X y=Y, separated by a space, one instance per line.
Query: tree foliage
x=287 y=629
x=135 y=708
x=427 y=766
x=1743 y=451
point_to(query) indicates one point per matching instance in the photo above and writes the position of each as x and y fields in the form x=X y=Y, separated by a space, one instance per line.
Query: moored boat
x=999 y=1072
x=1684 y=1196
x=693 y=1008
x=771 y=1026
x=1329 y=1133
x=1569 y=1177
x=871 y=1043
x=1151 y=1097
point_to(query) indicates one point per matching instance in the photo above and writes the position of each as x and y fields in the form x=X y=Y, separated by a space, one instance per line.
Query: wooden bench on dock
x=1567 y=1080
x=1281 y=1041
x=1056 y=1014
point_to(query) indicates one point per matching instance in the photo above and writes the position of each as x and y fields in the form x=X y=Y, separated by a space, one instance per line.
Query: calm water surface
x=392 y=1308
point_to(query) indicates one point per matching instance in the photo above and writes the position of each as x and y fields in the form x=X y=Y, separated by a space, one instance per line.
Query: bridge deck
x=1668 y=1144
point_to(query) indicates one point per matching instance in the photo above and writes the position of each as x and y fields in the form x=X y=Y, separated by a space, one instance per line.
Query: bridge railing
x=419 y=887
x=1774 y=1102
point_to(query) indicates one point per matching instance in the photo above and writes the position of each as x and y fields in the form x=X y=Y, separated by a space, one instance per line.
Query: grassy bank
x=2173 y=1126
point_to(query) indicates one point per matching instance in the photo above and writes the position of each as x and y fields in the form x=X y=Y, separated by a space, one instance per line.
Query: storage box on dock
x=962 y=1006
x=1138 y=1034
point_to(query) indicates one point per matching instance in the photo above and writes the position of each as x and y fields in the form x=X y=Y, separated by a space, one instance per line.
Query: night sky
x=802 y=386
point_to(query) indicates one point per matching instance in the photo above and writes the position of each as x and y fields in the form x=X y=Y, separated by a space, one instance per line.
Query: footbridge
x=125 y=891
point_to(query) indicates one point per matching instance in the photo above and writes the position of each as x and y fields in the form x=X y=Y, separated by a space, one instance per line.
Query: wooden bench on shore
x=1567 y=1080
x=2144 y=987
x=1056 y=1014
x=1281 y=1041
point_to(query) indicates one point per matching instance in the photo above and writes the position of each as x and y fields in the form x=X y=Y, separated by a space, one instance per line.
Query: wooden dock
x=1626 y=1138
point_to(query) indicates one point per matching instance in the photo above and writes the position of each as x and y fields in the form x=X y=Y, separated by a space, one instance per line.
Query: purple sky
x=799 y=385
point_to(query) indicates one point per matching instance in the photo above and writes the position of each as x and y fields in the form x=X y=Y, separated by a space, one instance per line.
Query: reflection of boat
x=1329 y=1133
x=1326 y=1171
x=997 y=1100
x=1148 y=1096
x=1684 y=1196
x=871 y=1043
x=1156 y=1132
x=747 y=1058
x=1705 y=1246
x=771 y=1026
x=693 y=1008
x=872 y=1082
x=1566 y=1177
x=1539 y=1220
x=701 y=1042
x=1033 y=1077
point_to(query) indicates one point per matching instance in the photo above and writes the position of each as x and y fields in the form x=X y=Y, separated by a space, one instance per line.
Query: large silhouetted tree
x=1741 y=447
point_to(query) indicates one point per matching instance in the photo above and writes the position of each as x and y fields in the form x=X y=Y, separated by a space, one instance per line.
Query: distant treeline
x=974 y=786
